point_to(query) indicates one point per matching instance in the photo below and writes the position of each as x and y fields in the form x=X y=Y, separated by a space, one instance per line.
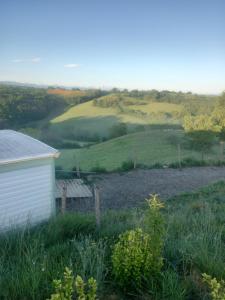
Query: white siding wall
x=26 y=195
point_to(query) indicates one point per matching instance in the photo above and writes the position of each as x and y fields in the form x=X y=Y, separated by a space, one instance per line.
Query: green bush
x=118 y=130
x=66 y=288
x=127 y=166
x=133 y=259
x=154 y=225
x=217 y=288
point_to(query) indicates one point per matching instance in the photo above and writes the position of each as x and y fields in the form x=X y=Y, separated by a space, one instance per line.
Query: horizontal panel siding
x=23 y=188
x=23 y=205
x=26 y=195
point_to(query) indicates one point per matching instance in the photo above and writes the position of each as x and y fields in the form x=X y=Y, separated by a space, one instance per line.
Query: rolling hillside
x=149 y=147
x=87 y=117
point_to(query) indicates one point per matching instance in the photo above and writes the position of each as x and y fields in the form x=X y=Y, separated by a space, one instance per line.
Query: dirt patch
x=130 y=189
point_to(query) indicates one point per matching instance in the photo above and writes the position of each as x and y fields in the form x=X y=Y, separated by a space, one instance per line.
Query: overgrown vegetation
x=69 y=286
x=137 y=256
x=189 y=228
x=217 y=288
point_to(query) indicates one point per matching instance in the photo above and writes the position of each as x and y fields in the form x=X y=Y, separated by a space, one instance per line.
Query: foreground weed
x=217 y=288
x=137 y=255
x=66 y=288
x=154 y=223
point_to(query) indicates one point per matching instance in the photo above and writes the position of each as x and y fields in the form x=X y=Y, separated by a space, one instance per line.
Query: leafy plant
x=154 y=225
x=134 y=259
x=217 y=288
x=64 y=288
x=90 y=292
x=68 y=286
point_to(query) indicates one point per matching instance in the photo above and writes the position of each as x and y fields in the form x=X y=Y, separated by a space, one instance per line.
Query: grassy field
x=155 y=107
x=193 y=244
x=148 y=147
x=98 y=120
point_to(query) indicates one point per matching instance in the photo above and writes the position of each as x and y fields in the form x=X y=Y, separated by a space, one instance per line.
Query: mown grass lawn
x=149 y=147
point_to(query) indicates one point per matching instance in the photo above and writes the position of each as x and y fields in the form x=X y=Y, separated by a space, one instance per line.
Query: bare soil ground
x=132 y=188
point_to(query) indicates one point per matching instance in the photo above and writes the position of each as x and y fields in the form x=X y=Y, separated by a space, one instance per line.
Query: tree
x=219 y=112
x=200 y=123
x=118 y=130
x=222 y=134
x=201 y=140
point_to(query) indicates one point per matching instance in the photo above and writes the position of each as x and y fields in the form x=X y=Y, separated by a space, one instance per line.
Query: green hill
x=93 y=119
x=149 y=147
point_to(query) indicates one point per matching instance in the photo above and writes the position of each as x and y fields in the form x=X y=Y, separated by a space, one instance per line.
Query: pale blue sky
x=145 y=44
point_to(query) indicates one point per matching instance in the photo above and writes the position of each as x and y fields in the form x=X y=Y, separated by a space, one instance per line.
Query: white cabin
x=27 y=180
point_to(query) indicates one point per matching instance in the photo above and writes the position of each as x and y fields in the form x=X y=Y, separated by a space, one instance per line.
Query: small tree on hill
x=222 y=141
x=201 y=141
x=118 y=130
x=222 y=134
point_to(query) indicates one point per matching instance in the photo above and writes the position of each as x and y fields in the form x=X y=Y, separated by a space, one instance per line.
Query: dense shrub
x=138 y=254
x=133 y=258
x=127 y=166
x=118 y=130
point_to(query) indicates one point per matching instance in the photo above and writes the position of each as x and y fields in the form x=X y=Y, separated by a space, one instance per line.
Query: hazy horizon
x=106 y=88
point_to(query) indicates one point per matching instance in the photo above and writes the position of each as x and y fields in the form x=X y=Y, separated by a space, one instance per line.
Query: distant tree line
x=20 y=105
x=192 y=104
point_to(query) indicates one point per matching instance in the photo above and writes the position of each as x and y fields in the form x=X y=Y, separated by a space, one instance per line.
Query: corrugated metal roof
x=75 y=188
x=16 y=146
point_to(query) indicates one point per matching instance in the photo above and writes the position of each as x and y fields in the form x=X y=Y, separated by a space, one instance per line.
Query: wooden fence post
x=97 y=206
x=64 y=194
x=221 y=150
x=179 y=155
x=77 y=166
x=135 y=158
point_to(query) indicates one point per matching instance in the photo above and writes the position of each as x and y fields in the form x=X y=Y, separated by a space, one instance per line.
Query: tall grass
x=91 y=258
x=195 y=241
